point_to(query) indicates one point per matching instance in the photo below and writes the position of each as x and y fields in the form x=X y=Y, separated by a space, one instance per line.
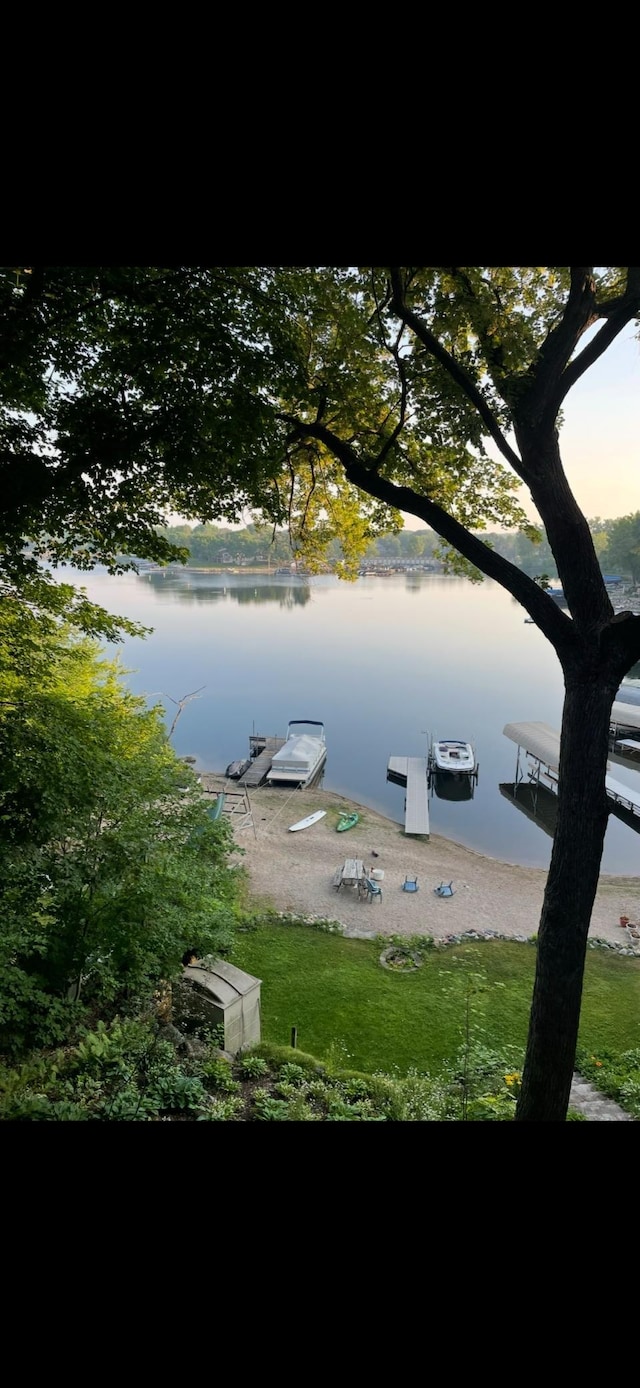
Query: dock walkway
x=266 y=748
x=412 y=773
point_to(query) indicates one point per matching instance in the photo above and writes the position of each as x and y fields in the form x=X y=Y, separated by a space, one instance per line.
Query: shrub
x=250 y=1067
x=219 y=1075
x=222 y=1110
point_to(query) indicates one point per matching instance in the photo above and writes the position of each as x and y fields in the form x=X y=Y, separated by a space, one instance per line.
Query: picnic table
x=350 y=874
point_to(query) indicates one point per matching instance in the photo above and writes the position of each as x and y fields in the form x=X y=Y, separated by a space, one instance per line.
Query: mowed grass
x=349 y=1011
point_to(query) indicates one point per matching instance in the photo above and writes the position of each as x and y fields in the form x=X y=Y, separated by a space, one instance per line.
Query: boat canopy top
x=543 y=742
x=539 y=739
x=628 y=694
x=625 y=715
x=302 y=751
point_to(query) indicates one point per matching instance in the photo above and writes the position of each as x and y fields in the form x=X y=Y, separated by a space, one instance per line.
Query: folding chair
x=445 y=889
x=410 y=884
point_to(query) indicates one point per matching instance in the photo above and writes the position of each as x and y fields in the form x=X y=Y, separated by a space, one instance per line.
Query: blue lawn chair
x=373 y=889
x=445 y=889
x=410 y=884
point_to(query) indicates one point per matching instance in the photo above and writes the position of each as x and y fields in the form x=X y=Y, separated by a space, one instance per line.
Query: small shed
x=218 y=994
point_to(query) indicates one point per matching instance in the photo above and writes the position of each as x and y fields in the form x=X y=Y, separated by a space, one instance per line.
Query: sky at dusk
x=599 y=436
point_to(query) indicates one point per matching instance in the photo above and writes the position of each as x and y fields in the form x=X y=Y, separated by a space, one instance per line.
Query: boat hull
x=294 y=776
x=236 y=769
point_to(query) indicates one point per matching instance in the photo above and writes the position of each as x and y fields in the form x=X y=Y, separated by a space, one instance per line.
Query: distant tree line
x=617 y=544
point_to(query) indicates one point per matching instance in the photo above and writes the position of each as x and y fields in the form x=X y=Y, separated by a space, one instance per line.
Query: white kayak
x=304 y=823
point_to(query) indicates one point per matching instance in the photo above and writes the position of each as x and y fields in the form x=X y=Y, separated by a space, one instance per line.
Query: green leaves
x=622 y=553
x=109 y=871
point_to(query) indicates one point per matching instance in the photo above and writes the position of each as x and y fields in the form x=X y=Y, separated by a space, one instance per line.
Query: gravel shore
x=294 y=872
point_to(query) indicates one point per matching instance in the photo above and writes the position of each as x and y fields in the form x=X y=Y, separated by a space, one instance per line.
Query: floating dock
x=412 y=773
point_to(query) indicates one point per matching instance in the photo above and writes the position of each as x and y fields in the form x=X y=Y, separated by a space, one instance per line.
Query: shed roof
x=223 y=981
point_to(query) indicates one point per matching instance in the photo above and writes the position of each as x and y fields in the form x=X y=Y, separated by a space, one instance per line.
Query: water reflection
x=193 y=587
x=453 y=788
x=537 y=802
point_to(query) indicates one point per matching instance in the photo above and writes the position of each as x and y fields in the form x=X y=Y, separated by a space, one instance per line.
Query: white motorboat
x=449 y=756
x=302 y=755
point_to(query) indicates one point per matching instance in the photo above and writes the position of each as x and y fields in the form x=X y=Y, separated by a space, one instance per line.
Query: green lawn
x=350 y=1011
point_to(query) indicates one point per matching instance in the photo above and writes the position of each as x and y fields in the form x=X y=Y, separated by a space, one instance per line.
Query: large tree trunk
x=568 y=902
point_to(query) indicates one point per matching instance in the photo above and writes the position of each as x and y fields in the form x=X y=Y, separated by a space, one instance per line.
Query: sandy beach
x=294 y=872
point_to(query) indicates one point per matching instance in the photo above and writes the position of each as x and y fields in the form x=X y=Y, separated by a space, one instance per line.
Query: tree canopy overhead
x=129 y=393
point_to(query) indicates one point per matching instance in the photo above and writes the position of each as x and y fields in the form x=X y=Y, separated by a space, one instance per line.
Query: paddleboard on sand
x=304 y=823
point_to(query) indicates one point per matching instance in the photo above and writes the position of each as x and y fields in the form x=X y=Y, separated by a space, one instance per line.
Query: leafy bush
x=267 y=1109
x=122 y=1071
x=109 y=873
x=292 y=1073
x=175 y=1092
x=616 y=1075
x=219 y=1075
x=221 y=1110
x=250 y=1067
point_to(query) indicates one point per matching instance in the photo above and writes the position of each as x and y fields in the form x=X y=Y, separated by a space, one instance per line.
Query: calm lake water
x=383 y=663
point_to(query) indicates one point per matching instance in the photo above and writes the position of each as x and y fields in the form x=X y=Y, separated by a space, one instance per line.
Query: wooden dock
x=412 y=773
x=263 y=750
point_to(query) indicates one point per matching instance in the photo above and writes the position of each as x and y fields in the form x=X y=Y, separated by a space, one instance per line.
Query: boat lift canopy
x=625 y=715
x=542 y=743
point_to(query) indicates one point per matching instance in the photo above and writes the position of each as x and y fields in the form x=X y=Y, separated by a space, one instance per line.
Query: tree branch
x=555 y=624
x=457 y=373
x=617 y=314
x=555 y=373
x=181 y=703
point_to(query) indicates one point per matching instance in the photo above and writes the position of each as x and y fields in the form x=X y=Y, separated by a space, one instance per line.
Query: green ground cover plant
x=128 y=1071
